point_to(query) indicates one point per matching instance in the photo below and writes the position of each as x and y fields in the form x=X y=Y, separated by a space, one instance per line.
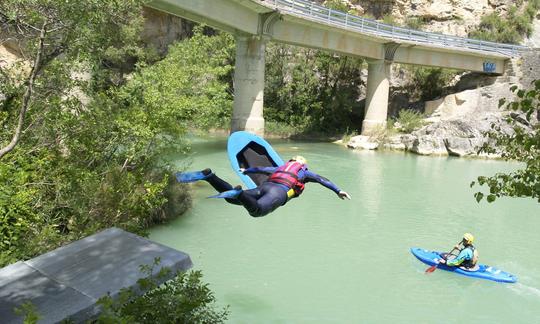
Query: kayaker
x=467 y=257
x=284 y=183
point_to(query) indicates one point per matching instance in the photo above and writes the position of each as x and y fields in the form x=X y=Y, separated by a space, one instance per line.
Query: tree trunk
x=27 y=94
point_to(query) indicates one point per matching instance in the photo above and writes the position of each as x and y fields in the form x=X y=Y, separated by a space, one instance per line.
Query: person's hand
x=443 y=261
x=456 y=247
x=342 y=194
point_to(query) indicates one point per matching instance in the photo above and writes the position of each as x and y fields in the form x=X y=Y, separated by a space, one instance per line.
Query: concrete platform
x=68 y=281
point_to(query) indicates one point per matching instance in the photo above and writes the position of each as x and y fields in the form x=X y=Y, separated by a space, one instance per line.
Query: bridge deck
x=68 y=281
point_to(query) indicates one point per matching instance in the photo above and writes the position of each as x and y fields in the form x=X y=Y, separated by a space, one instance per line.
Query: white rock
x=362 y=142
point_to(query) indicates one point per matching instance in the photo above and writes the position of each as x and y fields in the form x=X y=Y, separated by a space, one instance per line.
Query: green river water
x=323 y=260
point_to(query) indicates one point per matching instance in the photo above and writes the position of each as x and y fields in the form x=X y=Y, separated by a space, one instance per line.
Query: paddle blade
x=431 y=269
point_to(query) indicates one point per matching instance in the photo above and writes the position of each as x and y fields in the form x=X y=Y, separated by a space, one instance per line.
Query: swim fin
x=186 y=177
x=233 y=193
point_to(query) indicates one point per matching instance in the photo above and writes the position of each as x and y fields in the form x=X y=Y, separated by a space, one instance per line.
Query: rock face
x=530 y=67
x=456 y=125
x=362 y=142
x=457 y=137
x=468 y=103
x=8 y=56
x=455 y=17
x=161 y=29
x=534 y=39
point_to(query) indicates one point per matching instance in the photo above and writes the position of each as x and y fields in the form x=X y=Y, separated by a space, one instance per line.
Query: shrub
x=521 y=144
x=429 y=83
x=510 y=29
x=348 y=135
x=415 y=23
x=183 y=299
x=336 y=5
x=389 y=19
x=409 y=120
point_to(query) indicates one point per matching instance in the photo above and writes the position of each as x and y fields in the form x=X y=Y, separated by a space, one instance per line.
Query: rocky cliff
x=455 y=123
x=455 y=17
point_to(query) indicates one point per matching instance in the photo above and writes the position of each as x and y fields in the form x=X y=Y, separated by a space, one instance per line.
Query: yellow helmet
x=468 y=238
x=299 y=158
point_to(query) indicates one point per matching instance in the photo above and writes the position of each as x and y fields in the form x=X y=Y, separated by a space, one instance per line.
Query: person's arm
x=313 y=177
x=465 y=254
x=267 y=170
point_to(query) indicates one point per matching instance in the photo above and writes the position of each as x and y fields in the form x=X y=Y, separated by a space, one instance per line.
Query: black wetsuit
x=268 y=196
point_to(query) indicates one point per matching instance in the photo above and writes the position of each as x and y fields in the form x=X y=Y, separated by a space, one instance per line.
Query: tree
x=76 y=156
x=311 y=90
x=60 y=40
x=523 y=145
x=193 y=84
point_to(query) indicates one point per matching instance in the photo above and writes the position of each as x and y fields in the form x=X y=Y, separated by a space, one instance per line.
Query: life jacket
x=472 y=262
x=287 y=175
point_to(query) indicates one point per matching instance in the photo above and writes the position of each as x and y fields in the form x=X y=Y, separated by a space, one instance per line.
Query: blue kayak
x=483 y=271
x=248 y=150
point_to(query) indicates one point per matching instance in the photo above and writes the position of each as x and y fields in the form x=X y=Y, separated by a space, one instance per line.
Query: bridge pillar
x=378 y=88
x=249 y=85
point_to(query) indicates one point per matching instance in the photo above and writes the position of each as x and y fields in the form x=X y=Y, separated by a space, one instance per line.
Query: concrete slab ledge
x=67 y=282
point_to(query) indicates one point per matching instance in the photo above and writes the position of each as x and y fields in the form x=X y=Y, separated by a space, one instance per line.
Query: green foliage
x=279 y=129
x=510 y=29
x=336 y=5
x=29 y=312
x=183 y=299
x=348 y=135
x=521 y=145
x=429 y=83
x=389 y=19
x=409 y=120
x=368 y=15
x=193 y=81
x=17 y=213
x=311 y=90
x=415 y=23
x=90 y=154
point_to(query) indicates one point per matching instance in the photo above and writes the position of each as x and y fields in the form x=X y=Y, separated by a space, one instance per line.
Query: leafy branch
x=522 y=144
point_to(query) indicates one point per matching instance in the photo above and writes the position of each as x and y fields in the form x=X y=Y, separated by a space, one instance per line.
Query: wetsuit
x=464 y=258
x=268 y=196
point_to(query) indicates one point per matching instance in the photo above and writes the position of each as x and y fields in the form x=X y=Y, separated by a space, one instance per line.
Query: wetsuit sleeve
x=465 y=254
x=313 y=177
x=267 y=170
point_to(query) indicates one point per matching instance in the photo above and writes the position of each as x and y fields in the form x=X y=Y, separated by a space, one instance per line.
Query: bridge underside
x=254 y=23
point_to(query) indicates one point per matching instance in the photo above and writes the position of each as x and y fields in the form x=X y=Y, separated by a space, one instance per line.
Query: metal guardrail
x=315 y=12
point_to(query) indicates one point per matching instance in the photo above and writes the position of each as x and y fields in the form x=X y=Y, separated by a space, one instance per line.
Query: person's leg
x=220 y=185
x=269 y=198
x=248 y=198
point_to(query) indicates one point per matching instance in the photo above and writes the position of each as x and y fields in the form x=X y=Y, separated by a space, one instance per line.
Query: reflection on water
x=320 y=259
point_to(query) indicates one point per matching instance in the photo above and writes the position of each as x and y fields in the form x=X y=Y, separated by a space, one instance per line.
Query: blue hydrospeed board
x=247 y=150
x=483 y=271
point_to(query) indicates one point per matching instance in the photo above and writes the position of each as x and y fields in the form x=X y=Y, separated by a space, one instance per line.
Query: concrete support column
x=249 y=85
x=378 y=88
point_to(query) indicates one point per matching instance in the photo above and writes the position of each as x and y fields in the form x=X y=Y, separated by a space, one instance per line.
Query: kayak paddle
x=434 y=267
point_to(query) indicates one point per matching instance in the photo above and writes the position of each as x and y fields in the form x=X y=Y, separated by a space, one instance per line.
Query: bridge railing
x=315 y=12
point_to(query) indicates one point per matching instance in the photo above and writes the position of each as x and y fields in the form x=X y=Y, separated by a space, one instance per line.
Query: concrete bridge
x=304 y=23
